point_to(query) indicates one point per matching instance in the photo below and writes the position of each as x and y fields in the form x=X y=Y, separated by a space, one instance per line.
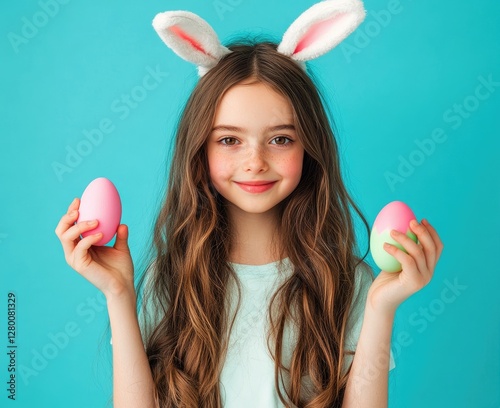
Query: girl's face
x=254 y=140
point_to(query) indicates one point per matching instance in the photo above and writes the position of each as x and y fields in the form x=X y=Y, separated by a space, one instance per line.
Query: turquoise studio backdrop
x=415 y=92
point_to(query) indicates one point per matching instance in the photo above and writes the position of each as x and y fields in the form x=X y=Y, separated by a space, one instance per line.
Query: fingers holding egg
x=83 y=228
x=81 y=252
x=411 y=276
x=415 y=249
x=427 y=247
x=412 y=257
x=435 y=238
x=68 y=219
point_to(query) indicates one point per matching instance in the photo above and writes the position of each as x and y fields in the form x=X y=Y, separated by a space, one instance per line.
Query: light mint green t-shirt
x=247 y=378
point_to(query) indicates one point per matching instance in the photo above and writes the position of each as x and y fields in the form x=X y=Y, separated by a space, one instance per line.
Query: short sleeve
x=363 y=281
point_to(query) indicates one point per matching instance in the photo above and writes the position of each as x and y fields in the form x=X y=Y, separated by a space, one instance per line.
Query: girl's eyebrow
x=229 y=128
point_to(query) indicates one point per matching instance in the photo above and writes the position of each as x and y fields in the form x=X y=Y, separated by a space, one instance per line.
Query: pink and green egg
x=395 y=215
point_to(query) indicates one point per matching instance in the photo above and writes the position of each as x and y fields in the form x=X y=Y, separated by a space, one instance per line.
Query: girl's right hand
x=110 y=269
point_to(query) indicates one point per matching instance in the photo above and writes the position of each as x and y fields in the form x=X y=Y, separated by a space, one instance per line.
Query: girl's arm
x=368 y=380
x=367 y=385
x=132 y=380
x=111 y=270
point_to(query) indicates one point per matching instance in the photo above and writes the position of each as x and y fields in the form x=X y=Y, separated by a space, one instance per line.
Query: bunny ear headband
x=315 y=32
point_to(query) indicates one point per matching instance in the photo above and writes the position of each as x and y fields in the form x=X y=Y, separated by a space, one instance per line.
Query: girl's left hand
x=390 y=289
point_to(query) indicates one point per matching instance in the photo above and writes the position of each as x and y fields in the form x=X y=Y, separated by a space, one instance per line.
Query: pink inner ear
x=317 y=31
x=182 y=34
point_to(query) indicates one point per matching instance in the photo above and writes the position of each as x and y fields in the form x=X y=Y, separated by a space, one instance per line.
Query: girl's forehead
x=255 y=101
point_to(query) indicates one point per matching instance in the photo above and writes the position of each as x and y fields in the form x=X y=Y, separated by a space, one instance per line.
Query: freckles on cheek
x=220 y=167
x=293 y=165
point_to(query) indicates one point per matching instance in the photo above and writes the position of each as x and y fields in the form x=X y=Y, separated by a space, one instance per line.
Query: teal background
x=388 y=92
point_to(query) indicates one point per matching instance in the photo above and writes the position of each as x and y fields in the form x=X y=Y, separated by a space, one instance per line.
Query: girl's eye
x=283 y=139
x=228 y=138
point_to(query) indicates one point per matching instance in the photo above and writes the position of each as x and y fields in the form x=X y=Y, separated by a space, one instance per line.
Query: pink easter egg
x=101 y=201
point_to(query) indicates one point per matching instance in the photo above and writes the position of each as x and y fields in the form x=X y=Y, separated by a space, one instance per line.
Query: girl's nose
x=256 y=160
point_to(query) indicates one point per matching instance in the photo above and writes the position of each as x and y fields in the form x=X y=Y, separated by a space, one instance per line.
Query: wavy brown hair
x=186 y=330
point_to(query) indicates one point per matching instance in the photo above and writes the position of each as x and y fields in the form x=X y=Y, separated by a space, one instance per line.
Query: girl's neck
x=254 y=237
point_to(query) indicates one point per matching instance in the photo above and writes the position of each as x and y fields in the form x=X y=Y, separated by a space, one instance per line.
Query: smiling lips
x=256 y=186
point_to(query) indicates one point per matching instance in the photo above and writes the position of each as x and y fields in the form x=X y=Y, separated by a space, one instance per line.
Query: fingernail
x=92 y=222
x=414 y=223
x=73 y=213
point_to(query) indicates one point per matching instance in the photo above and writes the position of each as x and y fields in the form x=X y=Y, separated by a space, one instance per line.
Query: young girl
x=255 y=295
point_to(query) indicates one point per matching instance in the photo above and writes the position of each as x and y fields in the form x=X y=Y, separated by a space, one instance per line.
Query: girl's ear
x=191 y=38
x=321 y=28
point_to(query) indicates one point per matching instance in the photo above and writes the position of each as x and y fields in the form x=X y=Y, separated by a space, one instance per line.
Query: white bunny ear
x=321 y=28
x=191 y=38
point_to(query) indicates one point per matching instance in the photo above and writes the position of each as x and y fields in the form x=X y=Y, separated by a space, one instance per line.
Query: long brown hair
x=186 y=334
